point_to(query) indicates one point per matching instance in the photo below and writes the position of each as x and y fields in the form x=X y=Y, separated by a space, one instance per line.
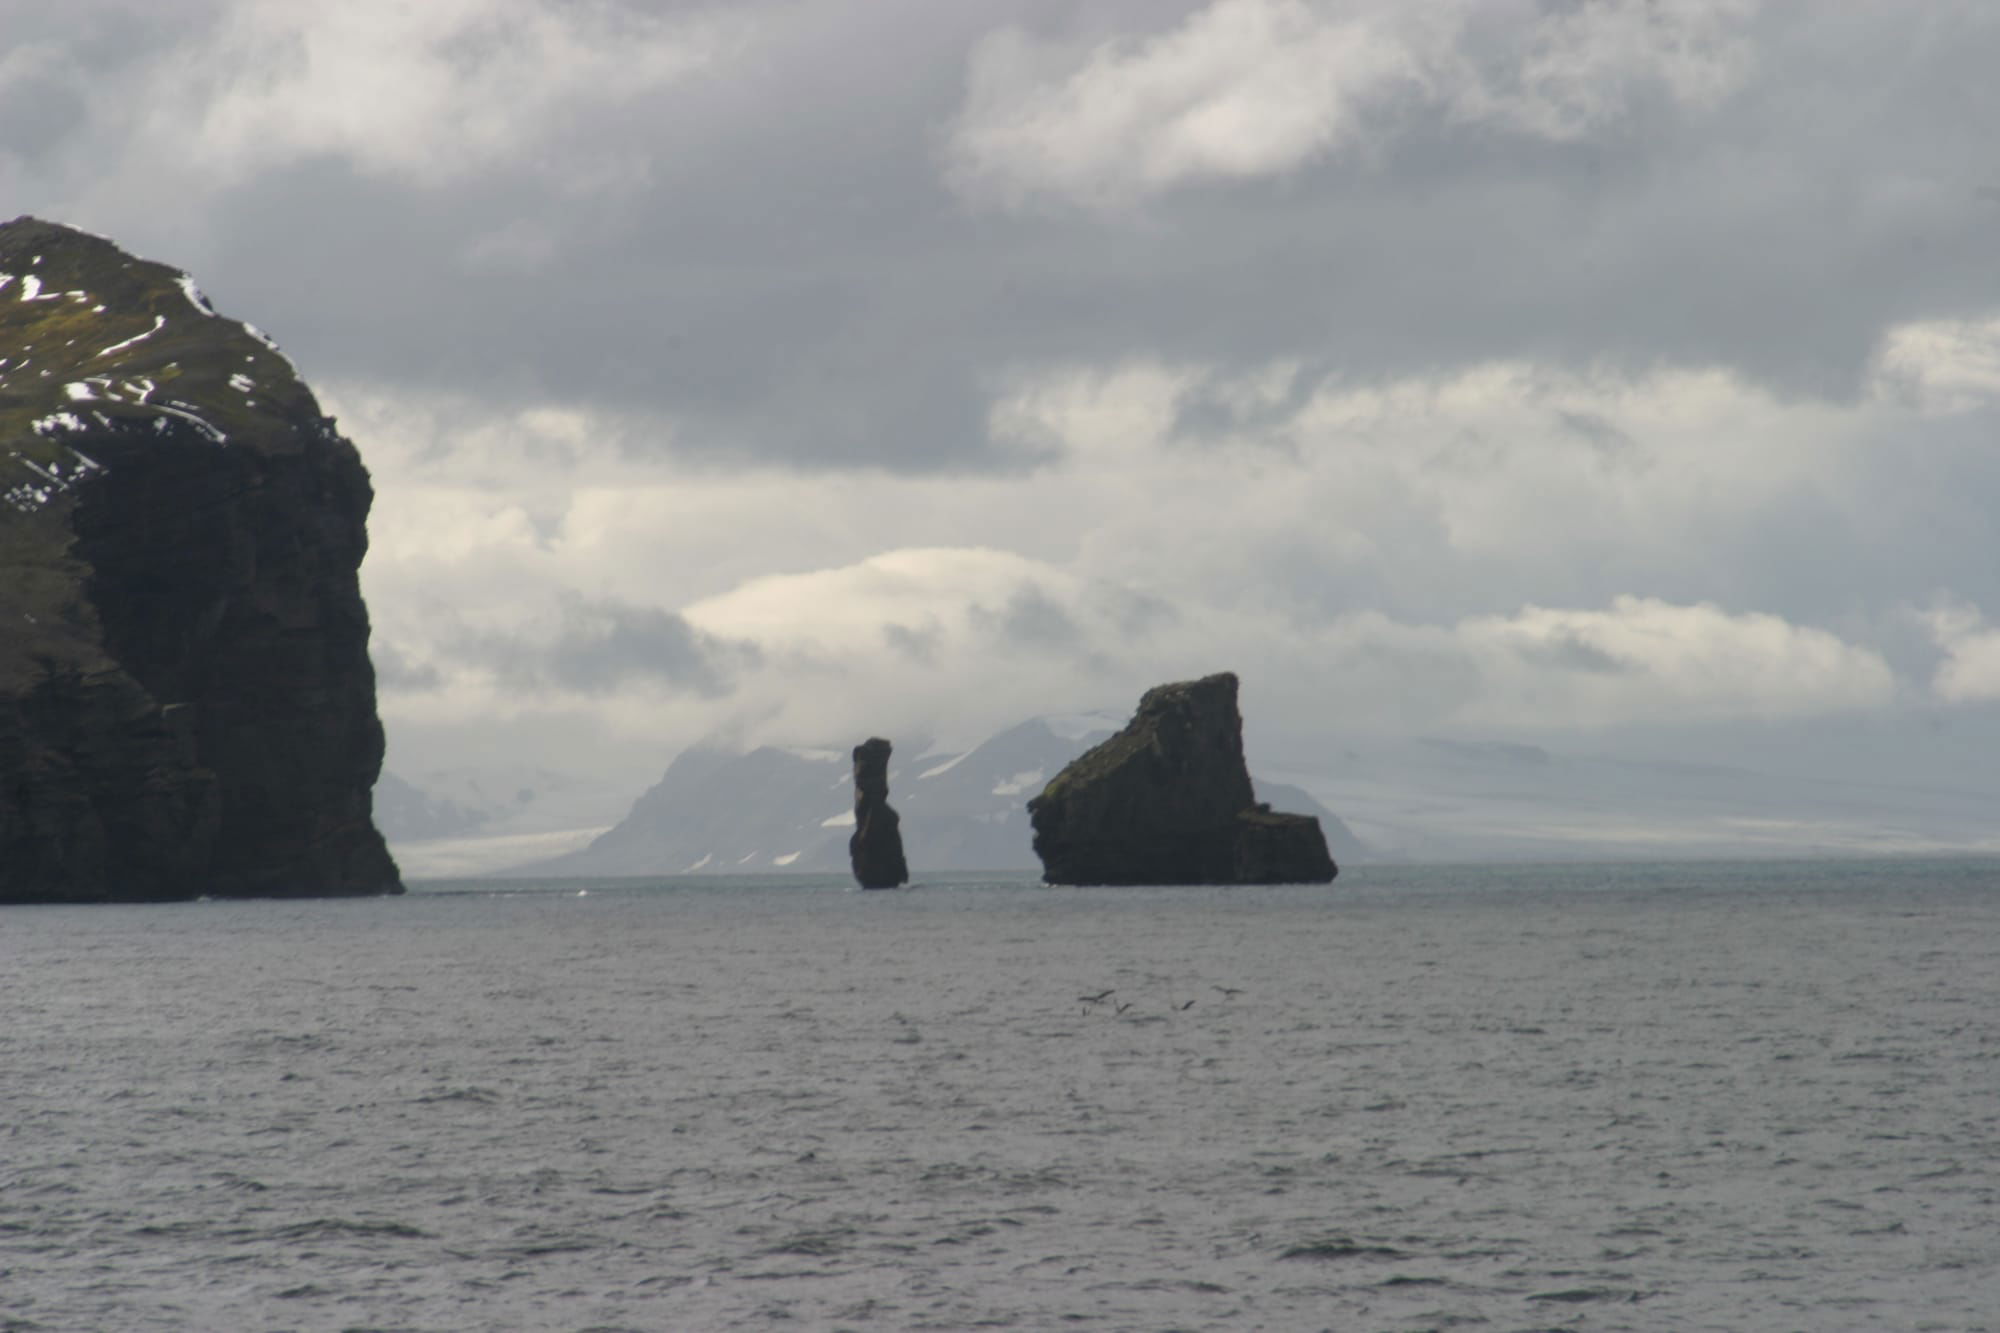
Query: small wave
x=478 y=1096
x=1584 y=1295
x=817 y=1245
x=1340 y=1247
x=333 y=1228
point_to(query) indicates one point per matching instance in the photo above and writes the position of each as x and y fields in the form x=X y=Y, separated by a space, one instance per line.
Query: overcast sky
x=799 y=371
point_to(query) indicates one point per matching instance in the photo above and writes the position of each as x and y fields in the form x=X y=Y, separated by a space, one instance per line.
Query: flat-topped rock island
x=1168 y=800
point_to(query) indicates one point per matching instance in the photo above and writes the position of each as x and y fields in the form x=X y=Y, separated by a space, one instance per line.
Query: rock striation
x=876 y=846
x=1169 y=801
x=186 y=702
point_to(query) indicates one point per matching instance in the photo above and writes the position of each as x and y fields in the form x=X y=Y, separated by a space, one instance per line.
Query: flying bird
x=1100 y=997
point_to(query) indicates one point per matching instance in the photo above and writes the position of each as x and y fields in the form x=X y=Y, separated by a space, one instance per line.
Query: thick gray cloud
x=1030 y=618
x=1484 y=366
x=594 y=648
x=769 y=245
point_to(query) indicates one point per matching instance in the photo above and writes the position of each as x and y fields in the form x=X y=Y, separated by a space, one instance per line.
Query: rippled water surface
x=1692 y=1097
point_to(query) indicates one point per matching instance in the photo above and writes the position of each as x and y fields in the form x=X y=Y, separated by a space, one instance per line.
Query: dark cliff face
x=186 y=701
x=1169 y=801
x=875 y=848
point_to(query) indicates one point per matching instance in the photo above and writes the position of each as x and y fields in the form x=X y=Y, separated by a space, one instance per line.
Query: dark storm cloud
x=772 y=255
x=56 y=59
x=1566 y=651
x=1207 y=414
x=1134 y=614
x=1030 y=618
x=1603 y=436
x=1033 y=618
x=785 y=276
x=37 y=112
x=914 y=644
x=395 y=671
x=600 y=646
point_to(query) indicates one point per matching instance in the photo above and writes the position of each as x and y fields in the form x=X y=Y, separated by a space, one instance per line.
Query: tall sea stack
x=876 y=847
x=1169 y=801
x=186 y=702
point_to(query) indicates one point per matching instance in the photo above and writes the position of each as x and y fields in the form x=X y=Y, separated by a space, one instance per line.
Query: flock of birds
x=1090 y=1002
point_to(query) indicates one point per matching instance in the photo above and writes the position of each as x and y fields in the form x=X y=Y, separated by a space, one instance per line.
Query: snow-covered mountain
x=1414 y=799
x=715 y=812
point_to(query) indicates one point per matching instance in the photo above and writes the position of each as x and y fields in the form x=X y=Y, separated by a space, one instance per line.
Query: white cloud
x=980 y=637
x=425 y=91
x=1577 y=68
x=1247 y=89
x=1508 y=546
x=944 y=638
x=1383 y=490
x=1643 y=659
x=845 y=609
x=1970 y=671
x=1943 y=366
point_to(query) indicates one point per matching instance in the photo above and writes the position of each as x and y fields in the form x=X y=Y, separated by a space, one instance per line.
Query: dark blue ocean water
x=1694 y=1096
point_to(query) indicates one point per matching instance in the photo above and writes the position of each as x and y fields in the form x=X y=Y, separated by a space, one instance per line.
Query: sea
x=1737 y=1096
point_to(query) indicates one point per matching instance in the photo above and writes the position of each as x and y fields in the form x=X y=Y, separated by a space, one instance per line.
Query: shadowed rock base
x=1169 y=801
x=876 y=847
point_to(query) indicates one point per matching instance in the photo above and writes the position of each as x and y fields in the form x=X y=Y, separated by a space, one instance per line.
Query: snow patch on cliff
x=194 y=296
x=159 y=322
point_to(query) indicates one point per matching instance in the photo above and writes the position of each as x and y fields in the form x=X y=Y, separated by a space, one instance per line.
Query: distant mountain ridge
x=778 y=809
x=1419 y=799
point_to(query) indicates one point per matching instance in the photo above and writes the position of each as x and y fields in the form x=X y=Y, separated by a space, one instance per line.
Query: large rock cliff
x=1169 y=801
x=186 y=702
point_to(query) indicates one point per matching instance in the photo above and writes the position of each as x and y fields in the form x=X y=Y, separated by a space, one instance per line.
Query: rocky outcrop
x=1169 y=801
x=876 y=846
x=186 y=702
x=715 y=811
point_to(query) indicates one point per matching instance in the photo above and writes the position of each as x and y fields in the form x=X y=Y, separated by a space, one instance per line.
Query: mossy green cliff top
x=92 y=339
x=101 y=353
